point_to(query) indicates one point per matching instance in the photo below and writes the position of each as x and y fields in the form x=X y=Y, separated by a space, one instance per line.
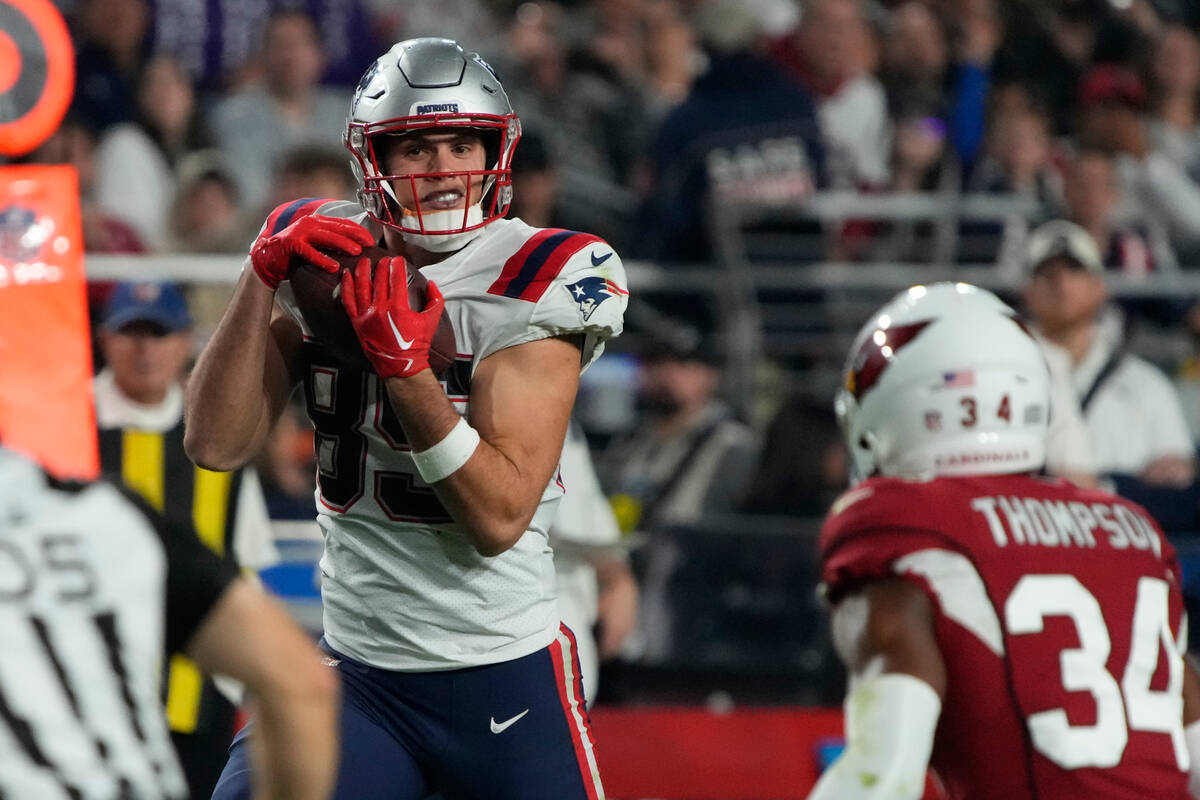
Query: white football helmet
x=423 y=84
x=944 y=380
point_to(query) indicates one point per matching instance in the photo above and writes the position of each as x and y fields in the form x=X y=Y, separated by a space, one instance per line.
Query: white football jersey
x=403 y=588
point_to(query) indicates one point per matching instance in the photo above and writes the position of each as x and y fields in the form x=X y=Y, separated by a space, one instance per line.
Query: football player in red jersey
x=1021 y=636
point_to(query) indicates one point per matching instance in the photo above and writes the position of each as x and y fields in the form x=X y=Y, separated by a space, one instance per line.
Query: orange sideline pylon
x=45 y=347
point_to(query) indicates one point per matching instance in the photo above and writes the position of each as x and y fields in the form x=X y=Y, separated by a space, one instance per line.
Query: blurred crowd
x=642 y=119
x=193 y=117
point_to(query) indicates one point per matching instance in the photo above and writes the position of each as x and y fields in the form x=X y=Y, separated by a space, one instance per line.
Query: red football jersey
x=1060 y=620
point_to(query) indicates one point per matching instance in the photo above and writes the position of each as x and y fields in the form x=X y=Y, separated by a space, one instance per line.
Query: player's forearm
x=228 y=410
x=490 y=494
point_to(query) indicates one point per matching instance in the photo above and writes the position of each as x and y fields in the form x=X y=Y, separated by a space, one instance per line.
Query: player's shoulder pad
x=553 y=255
x=876 y=504
x=870 y=527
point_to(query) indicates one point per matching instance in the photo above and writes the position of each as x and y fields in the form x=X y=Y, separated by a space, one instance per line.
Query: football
x=318 y=298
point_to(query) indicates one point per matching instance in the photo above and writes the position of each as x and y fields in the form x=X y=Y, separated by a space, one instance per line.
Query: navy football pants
x=517 y=730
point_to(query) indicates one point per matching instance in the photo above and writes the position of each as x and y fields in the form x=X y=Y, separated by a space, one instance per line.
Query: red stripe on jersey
x=578 y=723
x=554 y=264
x=512 y=267
x=529 y=272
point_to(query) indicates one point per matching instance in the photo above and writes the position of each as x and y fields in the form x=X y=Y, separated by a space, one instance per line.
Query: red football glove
x=395 y=338
x=271 y=256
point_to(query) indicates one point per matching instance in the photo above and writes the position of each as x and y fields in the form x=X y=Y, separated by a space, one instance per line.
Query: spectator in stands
x=832 y=54
x=924 y=66
x=1092 y=199
x=803 y=465
x=216 y=41
x=689 y=456
x=110 y=39
x=1048 y=47
x=670 y=56
x=1175 y=97
x=477 y=21
x=74 y=143
x=1019 y=156
x=597 y=593
x=311 y=170
x=146 y=339
x=135 y=161
x=286 y=107
x=1018 y=160
x=745 y=132
x=915 y=55
x=1139 y=435
x=538 y=196
x=920 y=163
x=206 y=216
x=1113 y=102
x=535 y=185
x=688 y=459
x=1187 y=375
x=594 y=122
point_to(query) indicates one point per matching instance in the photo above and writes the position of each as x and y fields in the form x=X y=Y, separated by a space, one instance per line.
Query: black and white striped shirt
x=88 y=575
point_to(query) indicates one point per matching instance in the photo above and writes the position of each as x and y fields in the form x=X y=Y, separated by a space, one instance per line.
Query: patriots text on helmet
x=436 y=108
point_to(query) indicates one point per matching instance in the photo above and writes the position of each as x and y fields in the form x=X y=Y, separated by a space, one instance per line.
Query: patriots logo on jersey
x=590 y=292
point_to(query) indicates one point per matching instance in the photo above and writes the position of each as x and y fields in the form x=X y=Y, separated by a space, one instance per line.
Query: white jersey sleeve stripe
x=960 y=591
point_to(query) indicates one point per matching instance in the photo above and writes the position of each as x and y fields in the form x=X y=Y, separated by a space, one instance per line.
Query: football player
x=1021 y=636
x=435 y=496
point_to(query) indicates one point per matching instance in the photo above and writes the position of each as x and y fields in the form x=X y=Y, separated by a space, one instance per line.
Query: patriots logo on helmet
x=365 y=82
x=588 y=293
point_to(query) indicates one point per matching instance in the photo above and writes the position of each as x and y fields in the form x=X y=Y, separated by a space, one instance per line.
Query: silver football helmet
x=422 y=84
x=944 y=380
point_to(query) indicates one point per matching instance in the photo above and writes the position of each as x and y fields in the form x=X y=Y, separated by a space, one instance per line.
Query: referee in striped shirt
x=95 y=588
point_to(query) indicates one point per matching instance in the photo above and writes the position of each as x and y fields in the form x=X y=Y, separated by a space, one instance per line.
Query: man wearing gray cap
x=1133 y=416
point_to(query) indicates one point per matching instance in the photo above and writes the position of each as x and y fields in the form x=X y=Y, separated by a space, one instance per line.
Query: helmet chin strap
x=442 y=220
x=436 y=220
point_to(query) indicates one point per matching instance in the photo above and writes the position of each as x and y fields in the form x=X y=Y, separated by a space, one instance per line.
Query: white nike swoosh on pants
x=500 y=727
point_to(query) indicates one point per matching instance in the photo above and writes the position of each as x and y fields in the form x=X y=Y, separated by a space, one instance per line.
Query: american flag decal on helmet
x=961 y=379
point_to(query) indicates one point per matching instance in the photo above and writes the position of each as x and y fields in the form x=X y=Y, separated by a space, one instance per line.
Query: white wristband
x=445 y=457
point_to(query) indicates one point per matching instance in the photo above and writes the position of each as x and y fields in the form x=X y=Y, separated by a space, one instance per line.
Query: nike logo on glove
x=501 y=727
x=404 y=343
x=598 y=261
